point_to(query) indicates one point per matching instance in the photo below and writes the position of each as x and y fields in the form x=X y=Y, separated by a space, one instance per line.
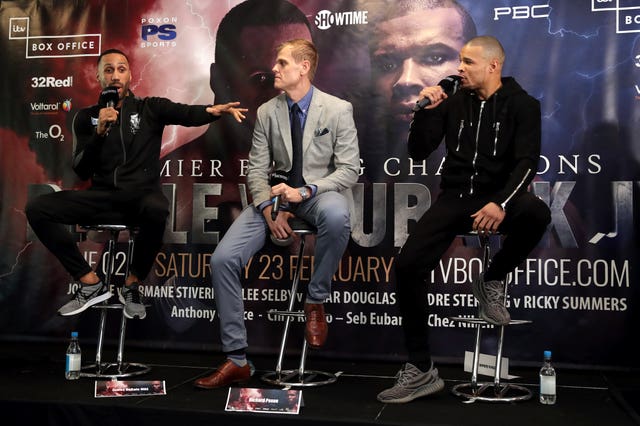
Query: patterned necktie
x=295 y=176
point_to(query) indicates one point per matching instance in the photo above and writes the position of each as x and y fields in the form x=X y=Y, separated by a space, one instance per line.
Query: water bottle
x=547 y=381
x=74 y=358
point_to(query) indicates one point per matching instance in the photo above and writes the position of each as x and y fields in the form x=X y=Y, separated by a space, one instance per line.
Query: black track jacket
x=493 y=146
x=128 y=156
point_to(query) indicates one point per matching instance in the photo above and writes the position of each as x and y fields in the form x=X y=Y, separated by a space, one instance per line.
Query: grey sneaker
x=490 y=297
x=411 y=383
x=130 y=297
x=85 y=296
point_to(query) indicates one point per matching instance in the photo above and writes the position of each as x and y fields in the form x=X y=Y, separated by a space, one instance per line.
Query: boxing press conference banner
x=581 y=60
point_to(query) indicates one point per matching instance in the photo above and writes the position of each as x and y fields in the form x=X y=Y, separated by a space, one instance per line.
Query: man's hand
x=230 y=108
x=287 y=194
x=106 y=117
x=279 y=228
x=488 y=218
x=435 y=94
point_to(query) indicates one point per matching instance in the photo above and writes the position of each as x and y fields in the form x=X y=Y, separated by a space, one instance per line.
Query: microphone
x=450 y=86
x=109 y=97
x=277 y=177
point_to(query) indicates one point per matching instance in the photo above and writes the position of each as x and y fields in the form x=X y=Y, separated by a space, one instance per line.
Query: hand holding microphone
x=277 y=177
x=109 y=99
x=449 y=86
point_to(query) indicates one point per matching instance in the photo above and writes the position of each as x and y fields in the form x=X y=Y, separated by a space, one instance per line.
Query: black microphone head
x=109 y=96
x=450 y=84
x=279 y=176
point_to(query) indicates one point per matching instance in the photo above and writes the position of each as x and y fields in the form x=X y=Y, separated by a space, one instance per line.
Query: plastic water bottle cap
x=547 y=354
x=74 y=334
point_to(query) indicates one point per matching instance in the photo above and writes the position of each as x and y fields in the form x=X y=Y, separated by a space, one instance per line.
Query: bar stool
x=475 y=390
x=119 y=368
x=299 y=377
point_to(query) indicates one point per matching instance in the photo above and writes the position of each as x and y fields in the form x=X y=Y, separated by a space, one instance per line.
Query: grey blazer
x=331 y=157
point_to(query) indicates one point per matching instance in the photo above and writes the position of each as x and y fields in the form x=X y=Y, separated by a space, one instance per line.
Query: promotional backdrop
x=580 y=59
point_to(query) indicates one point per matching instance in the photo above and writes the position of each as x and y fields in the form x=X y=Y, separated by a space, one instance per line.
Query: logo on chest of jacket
x=134 y=123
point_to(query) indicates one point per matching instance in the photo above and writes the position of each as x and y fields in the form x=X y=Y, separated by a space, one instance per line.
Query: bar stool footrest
x=480 y=321
x=109 y=370
x=293 y=378
x=296 y=314
x=487 y=391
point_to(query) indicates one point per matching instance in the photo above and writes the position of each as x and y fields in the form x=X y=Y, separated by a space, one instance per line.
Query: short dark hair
x=109 y=51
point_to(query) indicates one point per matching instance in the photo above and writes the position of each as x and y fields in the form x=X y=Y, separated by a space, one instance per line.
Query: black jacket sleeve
x=426 y=131
x=86 y=145
x=527 y=140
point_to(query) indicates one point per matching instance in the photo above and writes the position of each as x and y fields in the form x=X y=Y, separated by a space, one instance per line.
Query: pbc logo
x=522 y=12
x=161 y=28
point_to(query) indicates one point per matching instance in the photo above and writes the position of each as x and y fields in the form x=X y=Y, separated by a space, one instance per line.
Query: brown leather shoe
x=316 y=330
x=226 y=374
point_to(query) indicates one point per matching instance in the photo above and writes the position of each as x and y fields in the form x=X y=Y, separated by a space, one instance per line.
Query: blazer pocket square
x=320 y=132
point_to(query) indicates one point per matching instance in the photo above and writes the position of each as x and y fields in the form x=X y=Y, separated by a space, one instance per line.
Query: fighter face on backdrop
x=414 y=48
x=246 y=45
x=253 y=81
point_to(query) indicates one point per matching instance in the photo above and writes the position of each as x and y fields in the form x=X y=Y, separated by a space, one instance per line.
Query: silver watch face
x=303 y=193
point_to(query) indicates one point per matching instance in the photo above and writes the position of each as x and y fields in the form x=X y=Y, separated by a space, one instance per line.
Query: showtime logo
x=325 y=19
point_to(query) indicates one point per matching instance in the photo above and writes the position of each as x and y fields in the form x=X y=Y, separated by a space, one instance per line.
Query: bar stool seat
x=300 y=377
x=479 y=391
x=119 y=368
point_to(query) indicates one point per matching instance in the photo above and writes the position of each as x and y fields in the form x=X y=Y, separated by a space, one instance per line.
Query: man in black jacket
x=117 y=147
x=491 y=130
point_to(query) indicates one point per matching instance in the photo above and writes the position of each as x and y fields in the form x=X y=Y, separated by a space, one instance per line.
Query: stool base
x=113 y=370
x=504 y=392
x=293 y=378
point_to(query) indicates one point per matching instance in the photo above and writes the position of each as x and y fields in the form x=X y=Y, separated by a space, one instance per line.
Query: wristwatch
x=304 y=193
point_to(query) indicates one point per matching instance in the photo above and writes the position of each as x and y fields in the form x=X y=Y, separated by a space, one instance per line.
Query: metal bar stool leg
x=289 y=318
x=119 y=368
x=123 y=320
x=301 y=376
x=474 y=390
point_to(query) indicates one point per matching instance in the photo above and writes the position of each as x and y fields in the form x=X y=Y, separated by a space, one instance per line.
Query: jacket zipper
x=124 y=151
x=475 y=154
x=495 y=140
x=459 y=134
x=515 y=191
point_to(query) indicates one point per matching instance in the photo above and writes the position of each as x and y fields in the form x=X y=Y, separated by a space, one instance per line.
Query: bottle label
x=548 y=385
x=73 y=362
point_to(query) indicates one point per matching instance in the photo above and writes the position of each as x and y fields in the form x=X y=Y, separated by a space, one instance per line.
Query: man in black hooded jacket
x=491 y=128
x=116 y=144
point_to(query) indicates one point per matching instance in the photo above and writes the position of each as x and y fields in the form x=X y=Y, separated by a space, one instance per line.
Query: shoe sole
x=104 y=296
x=129 y=316
x=234 y=382
x=421 y=392
x=484 y=317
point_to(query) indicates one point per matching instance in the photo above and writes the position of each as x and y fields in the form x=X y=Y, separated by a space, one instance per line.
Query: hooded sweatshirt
x=128 y=156
x=493 y=145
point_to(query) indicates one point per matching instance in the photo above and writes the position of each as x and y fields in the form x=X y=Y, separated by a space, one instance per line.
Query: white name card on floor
x=114 y=388
x=279 y=401
x=487 y=365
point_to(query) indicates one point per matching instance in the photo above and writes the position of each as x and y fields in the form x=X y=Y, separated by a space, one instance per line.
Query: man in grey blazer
x=329 y=166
